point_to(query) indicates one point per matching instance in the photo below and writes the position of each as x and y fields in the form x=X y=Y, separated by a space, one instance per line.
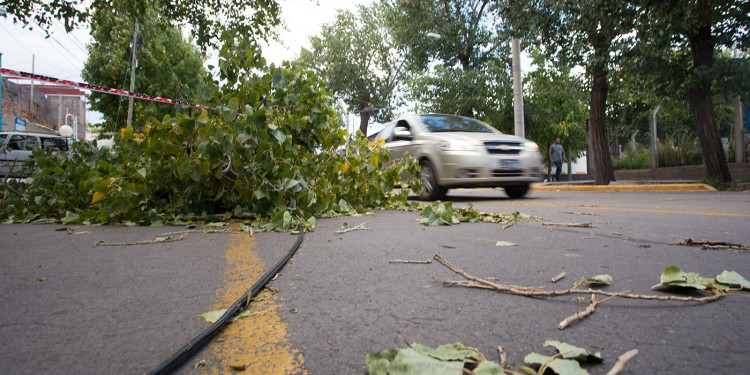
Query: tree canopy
x=206 y=18
x=357 y=59
x=167 y=66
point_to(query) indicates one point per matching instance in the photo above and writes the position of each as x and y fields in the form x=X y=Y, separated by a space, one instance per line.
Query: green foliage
x=356 y=58
x=443 y=213
x=467 y=70
x=256 y=19
x=273 y=148
x=168 y=66
x=675 y=151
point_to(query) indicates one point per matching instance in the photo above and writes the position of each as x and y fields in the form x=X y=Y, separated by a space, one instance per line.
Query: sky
x=63 y=54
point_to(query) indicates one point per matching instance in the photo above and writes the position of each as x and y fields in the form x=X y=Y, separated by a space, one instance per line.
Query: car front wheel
x=430 y=189
x=517 y=191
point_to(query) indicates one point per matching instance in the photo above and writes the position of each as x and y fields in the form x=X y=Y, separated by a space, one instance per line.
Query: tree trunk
x=364 y=120
x=701 y=106
x=602 y=167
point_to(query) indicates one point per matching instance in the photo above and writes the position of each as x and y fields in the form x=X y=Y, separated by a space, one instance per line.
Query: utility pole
x=517 y=88
x=133 y=62
x=31 y=92
x=1 y=93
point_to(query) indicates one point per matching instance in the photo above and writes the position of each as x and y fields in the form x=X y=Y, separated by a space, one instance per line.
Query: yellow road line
x=258 y=343
x=644 y=187
x=634 y=209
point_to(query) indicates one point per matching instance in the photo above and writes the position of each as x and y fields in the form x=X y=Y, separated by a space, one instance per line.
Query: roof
x=57 y=90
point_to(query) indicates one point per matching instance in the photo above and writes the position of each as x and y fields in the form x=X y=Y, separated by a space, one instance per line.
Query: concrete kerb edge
x=638 y=187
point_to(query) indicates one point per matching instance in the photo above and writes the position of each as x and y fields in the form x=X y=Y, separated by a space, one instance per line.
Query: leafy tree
x=356 y=58
x=274 y=151
x=556 y=106
x=471 y=68
x=206 y=18
x=702 y=26
x=167 y=66
x=587 y=33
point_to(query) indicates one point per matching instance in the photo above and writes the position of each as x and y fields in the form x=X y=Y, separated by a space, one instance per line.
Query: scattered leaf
x=674 y=276
x=505 y=243
x=559 y=366
x=600 y=280
x=733 y=279
x=574 y=352
x=213 y=316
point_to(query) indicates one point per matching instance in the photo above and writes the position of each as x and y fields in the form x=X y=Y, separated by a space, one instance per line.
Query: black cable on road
x=169 y=365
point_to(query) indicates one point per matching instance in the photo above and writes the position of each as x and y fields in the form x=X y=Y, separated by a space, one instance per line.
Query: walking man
x=557 y=155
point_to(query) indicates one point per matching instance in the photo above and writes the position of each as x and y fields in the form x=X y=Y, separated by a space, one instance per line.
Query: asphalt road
x=69 y=307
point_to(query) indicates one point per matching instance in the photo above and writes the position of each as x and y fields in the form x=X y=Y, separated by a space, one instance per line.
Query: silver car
x=460 y=152
x=16 y=147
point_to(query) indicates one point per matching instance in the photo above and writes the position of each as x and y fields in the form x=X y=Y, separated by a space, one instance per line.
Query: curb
x=644 y=187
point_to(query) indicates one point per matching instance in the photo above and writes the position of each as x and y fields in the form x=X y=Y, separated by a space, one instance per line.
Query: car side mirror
x=402 y=135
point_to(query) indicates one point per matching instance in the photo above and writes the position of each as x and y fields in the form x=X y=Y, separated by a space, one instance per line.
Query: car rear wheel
x=517 y=191
x=430 y=189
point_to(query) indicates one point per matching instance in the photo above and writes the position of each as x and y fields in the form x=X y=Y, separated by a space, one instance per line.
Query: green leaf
x=603 y=279
x=410 y=361
x=448 y=352
x=203 y=118
x=559 y=366
x=379 y=362
x=733 y=279
x=574 y=352
x=505 y=243
x=213 y=316
x=674 y=276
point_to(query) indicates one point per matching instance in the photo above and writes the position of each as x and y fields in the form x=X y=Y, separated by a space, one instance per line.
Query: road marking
x=634 y=209
x=257 y=342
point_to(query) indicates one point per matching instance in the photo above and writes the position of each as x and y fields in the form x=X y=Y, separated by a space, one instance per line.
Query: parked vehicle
x=16 y=147
x=460 y=152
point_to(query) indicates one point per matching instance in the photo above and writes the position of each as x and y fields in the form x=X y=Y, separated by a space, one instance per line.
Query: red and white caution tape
x=15 y=74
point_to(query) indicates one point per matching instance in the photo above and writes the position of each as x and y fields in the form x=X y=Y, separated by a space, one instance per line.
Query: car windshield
x=438 y=123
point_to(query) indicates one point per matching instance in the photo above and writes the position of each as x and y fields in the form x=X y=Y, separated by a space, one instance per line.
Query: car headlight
x=531 y=146
x=457 y=145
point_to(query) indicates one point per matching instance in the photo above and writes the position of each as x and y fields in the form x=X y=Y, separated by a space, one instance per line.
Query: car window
x=438 y=123
x=2 y=139
x=54 y=144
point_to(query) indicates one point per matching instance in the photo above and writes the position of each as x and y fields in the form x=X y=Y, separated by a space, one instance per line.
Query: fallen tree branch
x=410 y=261
x=572 y=225
x=168 y=239
x=580 y=314
x=713 y=245
x=480 y=283
x=622 y=360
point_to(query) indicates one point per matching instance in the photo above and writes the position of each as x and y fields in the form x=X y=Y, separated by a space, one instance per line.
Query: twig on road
x=410 y=261
x=580 y=314
x=621 y=361
x=535 y=292
x=713 y=245
x=572 y=225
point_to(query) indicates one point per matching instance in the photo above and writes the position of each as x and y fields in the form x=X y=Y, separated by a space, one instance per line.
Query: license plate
x=508 y=164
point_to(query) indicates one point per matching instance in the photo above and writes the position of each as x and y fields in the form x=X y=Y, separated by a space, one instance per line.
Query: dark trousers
x=558 y=169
